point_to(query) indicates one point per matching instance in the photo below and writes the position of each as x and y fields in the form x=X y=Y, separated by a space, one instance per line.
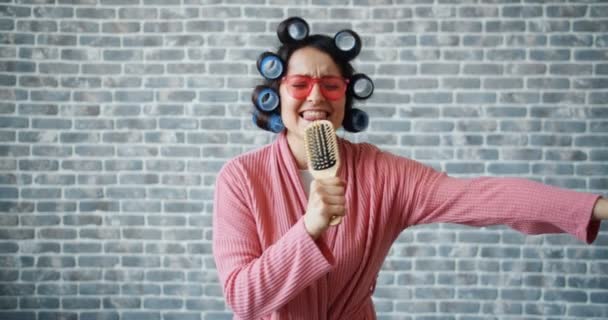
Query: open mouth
x=314 y=115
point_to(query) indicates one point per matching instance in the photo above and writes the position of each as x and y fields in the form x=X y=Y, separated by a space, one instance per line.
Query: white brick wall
x=115 y=117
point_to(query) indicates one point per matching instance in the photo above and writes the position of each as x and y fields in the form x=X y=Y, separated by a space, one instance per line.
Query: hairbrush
x=322 y=152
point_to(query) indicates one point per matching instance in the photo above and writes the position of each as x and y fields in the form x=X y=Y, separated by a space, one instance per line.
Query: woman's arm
x=257 y=281
x=429 y=196
x=600 y=211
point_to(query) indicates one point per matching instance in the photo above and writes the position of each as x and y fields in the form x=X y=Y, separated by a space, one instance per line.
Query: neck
x=296 y=145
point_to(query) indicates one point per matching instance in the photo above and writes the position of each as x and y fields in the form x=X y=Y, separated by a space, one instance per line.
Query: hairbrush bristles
x=323 y=147
x=322 y=152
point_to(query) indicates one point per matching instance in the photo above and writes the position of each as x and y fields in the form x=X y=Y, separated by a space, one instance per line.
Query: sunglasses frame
x=311 y=83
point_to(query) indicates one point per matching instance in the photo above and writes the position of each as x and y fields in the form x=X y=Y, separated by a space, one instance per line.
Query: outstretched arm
x=429 y=196
x=600 y=211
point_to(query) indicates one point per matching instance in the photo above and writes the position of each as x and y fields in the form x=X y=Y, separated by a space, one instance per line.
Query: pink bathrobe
x=270 y=268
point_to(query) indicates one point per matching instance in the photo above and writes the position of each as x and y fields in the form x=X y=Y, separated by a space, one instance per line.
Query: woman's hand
x=600 y=211
x=326 y=200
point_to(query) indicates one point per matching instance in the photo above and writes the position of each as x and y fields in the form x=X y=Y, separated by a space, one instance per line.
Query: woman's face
x=299 y=113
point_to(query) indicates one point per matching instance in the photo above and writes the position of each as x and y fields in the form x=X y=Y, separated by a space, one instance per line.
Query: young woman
x=276 y=253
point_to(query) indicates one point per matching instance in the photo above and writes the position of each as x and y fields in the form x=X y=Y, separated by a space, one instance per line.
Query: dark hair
x=324 y=44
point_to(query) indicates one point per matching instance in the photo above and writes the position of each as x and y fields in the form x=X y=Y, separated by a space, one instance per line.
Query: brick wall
x=115 y=117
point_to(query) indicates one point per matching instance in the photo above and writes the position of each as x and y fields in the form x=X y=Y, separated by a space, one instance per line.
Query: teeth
x=314 y=115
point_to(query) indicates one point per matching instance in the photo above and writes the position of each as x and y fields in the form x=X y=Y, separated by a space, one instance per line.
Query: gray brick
x=417 y=55
x=79 y=26
x=8 y=247
x=38 y=303
x=80 y=303
x=565 y=126
x=101 y=69
x=141 y=315
x=566 y=155
x=98 y=261
x=124 y=275
x=507 y=168
x=439 y=40
x=205 y=304
x=434 y=126
x=480 y=69
x=461 y=26
x=31 y=26
x=545 y=309
x=14 y=11
x=53 y=12
x=587 y=311
x=51 y=315
x=570 y=69
x=19 y=38
x=165 y=248
x=56 y=289
x=548 y=83
x=598 y=155
x=506 y=54
x=578 y=40
x=17 y=315
x=122 y=303
x=478 y=11
x=522 y=11
x=141 y=262
x=164 y=275
x=434 y=293
x=147 y=234
x=481 y=41
x=56 y=40
x=553 y=55
x=590 y=26
x=591 y=55
x=40 y=220
x=100 y=41
x=544 y=26
x=591 y=169
x=82 y=247
x=519 y=97
x=439 y=68
x=459 y=307
x=505 y=26
x=17 y=66
x=99 y=315
x=82 y=275
x=525 y=68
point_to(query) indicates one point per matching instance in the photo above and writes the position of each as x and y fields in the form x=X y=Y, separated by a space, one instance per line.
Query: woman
x=276 y=254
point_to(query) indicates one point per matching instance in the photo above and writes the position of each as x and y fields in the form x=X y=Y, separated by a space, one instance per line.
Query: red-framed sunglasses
x=300 y=86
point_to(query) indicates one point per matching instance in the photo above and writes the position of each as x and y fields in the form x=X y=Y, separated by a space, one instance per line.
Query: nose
x=315 y=94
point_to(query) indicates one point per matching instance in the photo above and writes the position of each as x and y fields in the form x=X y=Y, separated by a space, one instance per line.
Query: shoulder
x=366 y=153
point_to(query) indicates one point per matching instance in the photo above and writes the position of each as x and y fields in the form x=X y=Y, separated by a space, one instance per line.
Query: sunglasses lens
x=333 y=88
x=299 y=87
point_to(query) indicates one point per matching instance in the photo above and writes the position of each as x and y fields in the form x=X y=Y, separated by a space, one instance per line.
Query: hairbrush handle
x=322 y=153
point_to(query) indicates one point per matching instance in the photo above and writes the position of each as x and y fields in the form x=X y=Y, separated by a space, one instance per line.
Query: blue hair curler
x=361 y=86
x=292 y=29
x=270 y=66
x=349 y=43
x=265 y=98
x=275 y=123
x=359 y=120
